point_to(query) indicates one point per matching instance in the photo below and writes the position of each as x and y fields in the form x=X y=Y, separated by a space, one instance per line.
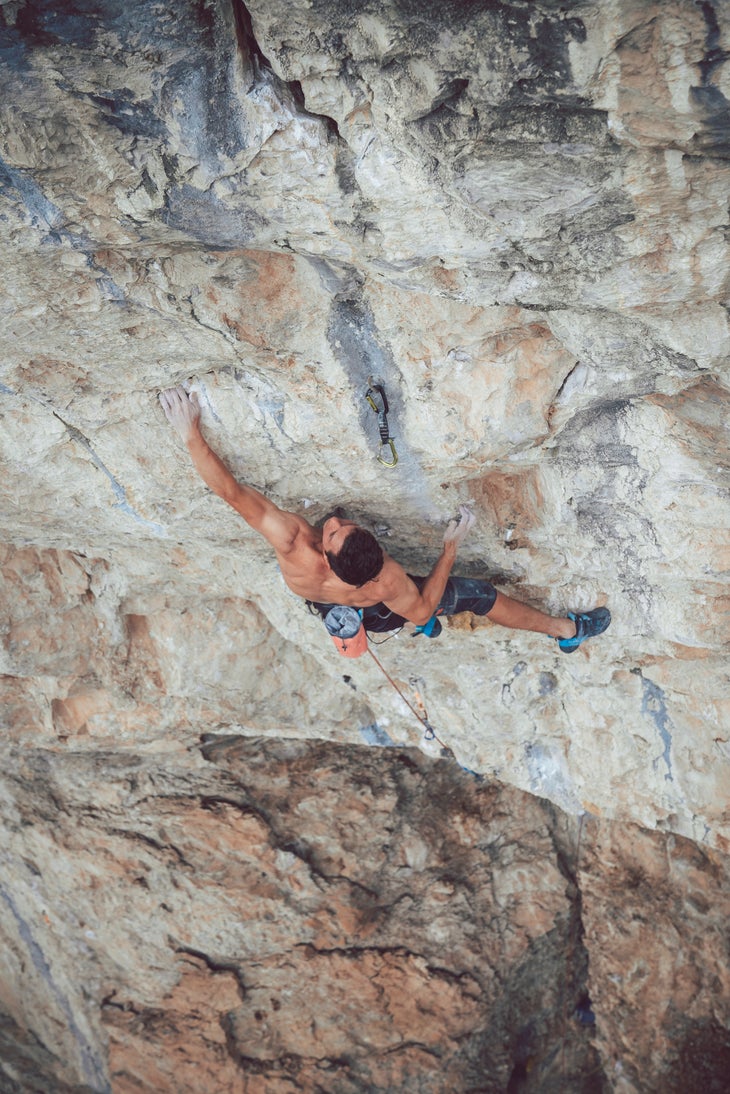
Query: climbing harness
x=378 y=400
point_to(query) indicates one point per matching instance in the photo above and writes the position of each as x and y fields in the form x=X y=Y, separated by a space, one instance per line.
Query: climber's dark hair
x=359 y=560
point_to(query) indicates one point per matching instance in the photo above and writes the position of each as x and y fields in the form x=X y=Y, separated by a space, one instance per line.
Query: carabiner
x=429 y=732
x=388 y=463
x=373 y=404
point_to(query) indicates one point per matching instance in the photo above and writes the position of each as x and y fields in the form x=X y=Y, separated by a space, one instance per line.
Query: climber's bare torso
x=300 y=551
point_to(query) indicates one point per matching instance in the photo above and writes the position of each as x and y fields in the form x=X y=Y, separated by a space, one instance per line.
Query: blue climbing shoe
x=588 y=624
x=432 y=629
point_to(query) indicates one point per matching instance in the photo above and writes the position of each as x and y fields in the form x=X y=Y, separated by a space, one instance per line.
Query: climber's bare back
x=300 y=552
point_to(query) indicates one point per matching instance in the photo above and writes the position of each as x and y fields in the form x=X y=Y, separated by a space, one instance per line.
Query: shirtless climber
x=342 y=563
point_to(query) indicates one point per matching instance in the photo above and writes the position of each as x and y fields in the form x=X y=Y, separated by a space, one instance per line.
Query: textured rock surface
x=290 y=916
x=516 y=215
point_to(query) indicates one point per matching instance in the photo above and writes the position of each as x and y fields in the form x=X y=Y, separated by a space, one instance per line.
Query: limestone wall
x=516 y=216
x=287 y=916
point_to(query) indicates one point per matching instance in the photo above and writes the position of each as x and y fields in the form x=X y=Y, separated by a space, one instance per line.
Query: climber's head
x=354 y=554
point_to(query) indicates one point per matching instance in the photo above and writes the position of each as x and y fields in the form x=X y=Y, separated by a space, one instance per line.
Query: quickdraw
x=429 y=732
x=374 y=394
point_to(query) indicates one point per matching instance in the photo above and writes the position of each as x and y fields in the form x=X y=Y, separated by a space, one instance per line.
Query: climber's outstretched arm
x=402 y=595
x=278 y=526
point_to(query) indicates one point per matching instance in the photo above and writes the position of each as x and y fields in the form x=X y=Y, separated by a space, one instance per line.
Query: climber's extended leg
x=469 y=594
x=570 y=632
x=521 y=617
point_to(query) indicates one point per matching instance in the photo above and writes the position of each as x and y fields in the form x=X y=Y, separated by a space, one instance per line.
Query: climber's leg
x=521 y=617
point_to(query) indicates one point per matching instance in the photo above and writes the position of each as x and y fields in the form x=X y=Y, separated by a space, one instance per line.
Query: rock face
x=515 y=216
x=291 y=916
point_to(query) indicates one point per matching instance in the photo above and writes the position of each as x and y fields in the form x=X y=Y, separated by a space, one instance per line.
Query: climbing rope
x=429 y=731
x=345 y=626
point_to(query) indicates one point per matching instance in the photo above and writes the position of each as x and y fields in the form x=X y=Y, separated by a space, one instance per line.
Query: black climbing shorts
x=467 y=594
x=462 y=594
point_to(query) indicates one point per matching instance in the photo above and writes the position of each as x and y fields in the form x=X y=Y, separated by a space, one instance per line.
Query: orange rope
x=430 y=732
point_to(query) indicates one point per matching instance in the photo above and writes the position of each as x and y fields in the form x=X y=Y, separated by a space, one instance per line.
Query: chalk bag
x=345 y=626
